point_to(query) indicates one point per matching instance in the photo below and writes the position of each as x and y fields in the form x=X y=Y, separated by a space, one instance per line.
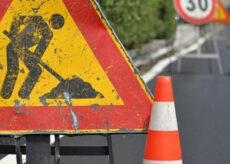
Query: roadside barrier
x=163 y=143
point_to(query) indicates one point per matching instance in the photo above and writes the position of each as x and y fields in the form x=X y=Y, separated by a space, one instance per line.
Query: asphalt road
x=203 y=112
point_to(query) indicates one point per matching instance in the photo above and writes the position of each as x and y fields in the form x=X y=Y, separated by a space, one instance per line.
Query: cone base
x=163 y=146
x=162 y=162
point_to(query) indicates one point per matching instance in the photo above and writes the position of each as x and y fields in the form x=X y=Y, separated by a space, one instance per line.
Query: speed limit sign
x=196 y=11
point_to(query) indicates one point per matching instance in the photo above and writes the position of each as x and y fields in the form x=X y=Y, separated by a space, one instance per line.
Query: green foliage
x=228 y=9
x=138 y=21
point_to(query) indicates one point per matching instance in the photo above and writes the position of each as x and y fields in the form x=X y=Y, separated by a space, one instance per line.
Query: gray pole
x=38 y=149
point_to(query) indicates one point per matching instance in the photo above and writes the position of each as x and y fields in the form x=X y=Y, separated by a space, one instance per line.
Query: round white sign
x=196 y=11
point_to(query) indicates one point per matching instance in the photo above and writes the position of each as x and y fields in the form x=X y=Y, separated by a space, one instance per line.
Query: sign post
x=199 y=12
x=38 y=149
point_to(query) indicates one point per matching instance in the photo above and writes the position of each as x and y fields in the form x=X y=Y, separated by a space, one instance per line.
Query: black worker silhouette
x=27 y=32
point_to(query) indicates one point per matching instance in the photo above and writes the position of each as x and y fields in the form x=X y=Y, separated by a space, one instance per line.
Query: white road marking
x=162 y=64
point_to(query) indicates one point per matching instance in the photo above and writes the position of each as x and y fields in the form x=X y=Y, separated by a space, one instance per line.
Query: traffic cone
x=163 y=143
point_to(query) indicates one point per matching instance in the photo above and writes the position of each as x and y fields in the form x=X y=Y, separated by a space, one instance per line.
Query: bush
x=139 y=21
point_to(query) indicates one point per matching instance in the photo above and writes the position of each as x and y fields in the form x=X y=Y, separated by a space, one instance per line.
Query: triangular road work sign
x=221 y=15
x=63 y=70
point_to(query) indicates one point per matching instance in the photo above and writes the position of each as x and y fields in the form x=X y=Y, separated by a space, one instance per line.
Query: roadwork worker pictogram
x=27 y=32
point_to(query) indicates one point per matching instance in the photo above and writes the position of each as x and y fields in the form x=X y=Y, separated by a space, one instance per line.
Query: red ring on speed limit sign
x=185 y=13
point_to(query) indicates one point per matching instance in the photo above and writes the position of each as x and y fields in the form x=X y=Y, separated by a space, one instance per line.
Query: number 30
x=202 y=5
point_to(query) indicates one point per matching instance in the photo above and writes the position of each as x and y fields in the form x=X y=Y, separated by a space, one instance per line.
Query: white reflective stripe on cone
x=161 y=162
x=163 y=117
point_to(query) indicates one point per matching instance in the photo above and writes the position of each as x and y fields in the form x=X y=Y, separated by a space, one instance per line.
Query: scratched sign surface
x=62 y=70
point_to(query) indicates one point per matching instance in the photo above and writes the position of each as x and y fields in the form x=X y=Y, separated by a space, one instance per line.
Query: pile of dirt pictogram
x=76 y=87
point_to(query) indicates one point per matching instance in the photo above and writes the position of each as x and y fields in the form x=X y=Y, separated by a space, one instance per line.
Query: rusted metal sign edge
x=74 y=132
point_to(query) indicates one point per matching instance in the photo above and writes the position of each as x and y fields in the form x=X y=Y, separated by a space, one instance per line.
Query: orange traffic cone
x=163 y=143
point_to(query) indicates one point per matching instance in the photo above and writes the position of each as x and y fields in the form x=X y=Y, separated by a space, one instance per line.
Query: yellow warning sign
x=64 y=70
x=43 y=53
x=221 y=15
